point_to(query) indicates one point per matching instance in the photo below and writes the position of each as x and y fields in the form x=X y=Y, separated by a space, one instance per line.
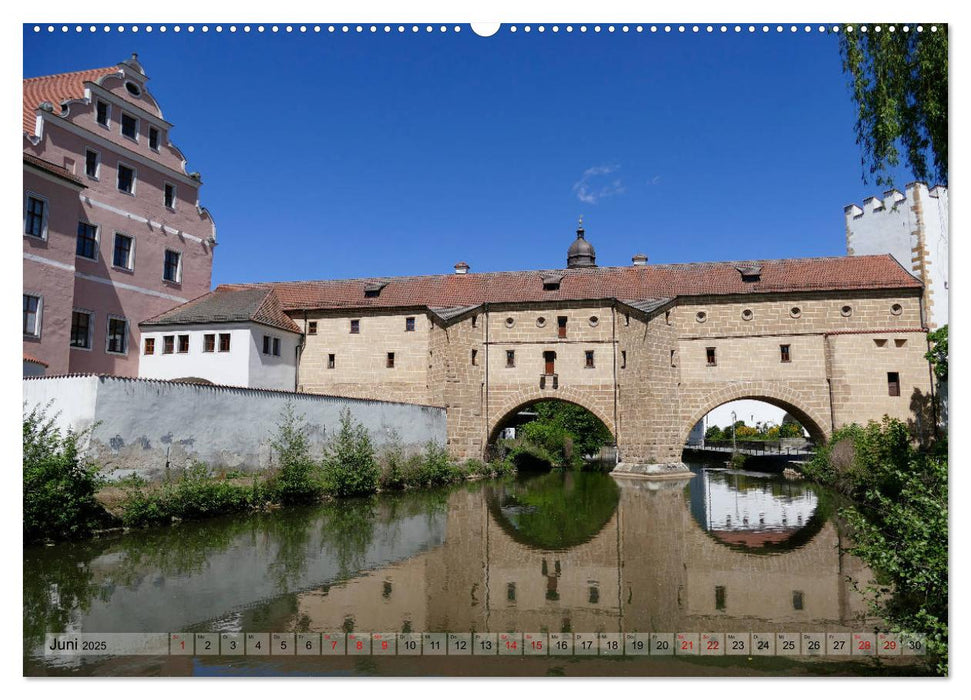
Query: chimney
x=639 y=259
x=461 y=268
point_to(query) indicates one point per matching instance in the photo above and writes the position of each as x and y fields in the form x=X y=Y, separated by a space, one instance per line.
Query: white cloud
x=596 y=184
x=655 y=180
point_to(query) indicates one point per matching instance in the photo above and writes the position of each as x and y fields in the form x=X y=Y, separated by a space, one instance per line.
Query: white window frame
x=47 y=210
x=97 y=241
x=158 y=142
x=97 y=169
x=131 y=252
x=121 y=126
x=115 y=317
x=178 y=279
x=107 y=124
x=91 y=319
x=38 y=315
x=175 y=195
x=134 y=177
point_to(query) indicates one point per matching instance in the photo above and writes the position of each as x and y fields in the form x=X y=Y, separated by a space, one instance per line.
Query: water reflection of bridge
x=652 y=565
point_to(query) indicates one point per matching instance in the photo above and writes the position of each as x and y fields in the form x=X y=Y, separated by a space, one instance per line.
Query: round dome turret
x=581 y=253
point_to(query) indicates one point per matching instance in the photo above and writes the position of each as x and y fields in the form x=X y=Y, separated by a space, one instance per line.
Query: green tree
x=899 y=84
x=564 y=432
x=714 y=433
x=59 y=483
x=298 y=480
x=349 y=466
x=937 y=355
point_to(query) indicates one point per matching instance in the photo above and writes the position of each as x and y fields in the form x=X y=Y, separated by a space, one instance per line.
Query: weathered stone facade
x=651 y=380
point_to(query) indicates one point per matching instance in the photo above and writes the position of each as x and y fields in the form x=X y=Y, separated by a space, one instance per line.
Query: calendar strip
x=493 y=644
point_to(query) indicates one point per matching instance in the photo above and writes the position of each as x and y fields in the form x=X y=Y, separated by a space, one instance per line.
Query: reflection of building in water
x=653 y=566
x=750 y=510
x=388 y=600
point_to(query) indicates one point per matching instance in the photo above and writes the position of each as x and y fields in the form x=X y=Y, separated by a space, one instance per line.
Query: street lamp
x=734 y=419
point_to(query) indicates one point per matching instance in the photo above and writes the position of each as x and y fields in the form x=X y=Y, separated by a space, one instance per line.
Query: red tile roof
x=228 y=304
x=57 y=89
x=31 y=358
x=56 y=170
x=634 y=282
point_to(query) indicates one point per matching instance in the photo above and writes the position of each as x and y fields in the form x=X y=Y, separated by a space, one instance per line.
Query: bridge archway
x=816 y=423
x=524 y=399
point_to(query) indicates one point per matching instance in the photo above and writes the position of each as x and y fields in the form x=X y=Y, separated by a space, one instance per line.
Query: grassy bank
x=65 y=497
x=898 y=521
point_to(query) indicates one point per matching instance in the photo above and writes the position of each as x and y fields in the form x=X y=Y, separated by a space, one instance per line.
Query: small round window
x=701 y=317
x=133 y=89
x=847 y=310
x=795 y=312
x=510 y=322
x=747 y=315
x=896 y=309
x=541 y=321
x=594 y=320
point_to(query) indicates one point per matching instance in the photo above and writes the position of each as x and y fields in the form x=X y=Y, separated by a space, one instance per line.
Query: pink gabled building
x=113 y=230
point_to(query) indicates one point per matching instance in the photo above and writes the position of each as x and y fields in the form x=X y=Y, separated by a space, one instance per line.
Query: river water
x=558 y=552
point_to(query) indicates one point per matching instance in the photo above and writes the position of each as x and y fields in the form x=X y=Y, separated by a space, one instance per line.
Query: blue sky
x=358 y=154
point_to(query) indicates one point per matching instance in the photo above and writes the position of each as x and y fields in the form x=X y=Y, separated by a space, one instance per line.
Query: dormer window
x=133 y=89
x=551 y=283
x=373 y=289
x=750 y=273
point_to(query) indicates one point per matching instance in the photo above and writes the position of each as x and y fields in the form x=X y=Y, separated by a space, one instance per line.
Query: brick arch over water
x=807 y=407
x=524 y=398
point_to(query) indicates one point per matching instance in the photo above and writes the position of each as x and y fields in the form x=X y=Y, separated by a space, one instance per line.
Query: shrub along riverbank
x=62 y=490
x=898 y=523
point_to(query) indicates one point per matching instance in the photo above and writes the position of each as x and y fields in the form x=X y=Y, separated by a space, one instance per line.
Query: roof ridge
x=73 y=72
x=176 y=308
x=570 y=270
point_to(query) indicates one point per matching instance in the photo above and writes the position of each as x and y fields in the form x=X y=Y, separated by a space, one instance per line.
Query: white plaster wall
x=879 y=231
x=270 y=371
x=937 y=227
x=70 y=401
x=230 y=368
x=888 y=225
x=142 y=424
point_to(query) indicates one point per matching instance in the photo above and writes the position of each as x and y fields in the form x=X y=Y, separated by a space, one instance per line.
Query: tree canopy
x=899 y=84
x=937 y=355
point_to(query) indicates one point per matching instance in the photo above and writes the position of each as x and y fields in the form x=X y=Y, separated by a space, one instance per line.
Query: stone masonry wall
x=860 y=364
x=651 y=380
x=533 y=332
x=360 y=359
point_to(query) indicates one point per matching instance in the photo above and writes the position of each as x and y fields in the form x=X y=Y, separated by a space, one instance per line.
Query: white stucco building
x=913 y=228
x=233 y=337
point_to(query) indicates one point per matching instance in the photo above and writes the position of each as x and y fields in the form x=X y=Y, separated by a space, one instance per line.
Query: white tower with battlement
x=913 y=227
